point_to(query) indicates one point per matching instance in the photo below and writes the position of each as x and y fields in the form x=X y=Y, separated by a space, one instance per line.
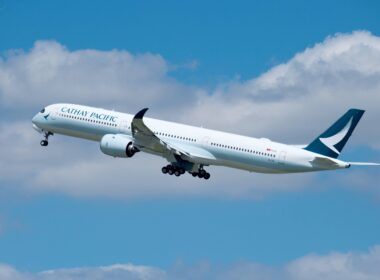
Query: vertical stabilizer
x=331 y=142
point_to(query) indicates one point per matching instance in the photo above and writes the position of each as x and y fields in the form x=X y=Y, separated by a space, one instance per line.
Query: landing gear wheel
x=177 y=173
x=171 y=171
x=164 y=170
x=200 y=175
x=182 y=170
x=44 y=143
x=194 y=174
x=207 y=176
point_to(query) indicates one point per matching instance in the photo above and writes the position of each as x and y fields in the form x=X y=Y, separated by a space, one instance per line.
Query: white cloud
x=297 y=100
x=9 y=273
x=117 y=271
x=334 y=266
x=49 y=73
x=337 y=266
x=292 y=102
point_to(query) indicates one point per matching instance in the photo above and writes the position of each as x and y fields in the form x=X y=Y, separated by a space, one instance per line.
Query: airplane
x=190 y=149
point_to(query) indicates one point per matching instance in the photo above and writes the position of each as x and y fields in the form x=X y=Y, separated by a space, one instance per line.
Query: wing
x=146 y=138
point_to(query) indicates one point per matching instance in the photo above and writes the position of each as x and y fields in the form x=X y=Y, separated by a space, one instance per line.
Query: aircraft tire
x=44 y=143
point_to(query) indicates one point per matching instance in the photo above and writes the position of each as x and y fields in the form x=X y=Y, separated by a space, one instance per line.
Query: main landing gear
x=45 y=142
x=178 y=171
x=201 y=174
x=171 y=169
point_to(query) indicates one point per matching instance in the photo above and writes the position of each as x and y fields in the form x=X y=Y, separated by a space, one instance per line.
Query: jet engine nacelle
x=117 y=145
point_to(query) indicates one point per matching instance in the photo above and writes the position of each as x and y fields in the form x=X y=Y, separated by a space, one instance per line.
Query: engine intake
x=117 y=145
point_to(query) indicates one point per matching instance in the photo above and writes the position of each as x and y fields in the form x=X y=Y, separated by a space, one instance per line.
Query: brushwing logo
x=330 y=142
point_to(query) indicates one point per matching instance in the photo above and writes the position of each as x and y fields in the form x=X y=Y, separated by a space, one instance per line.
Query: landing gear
x=178 y=171
x=164 y=170
x=201 y=174
x=205 y=175
x=171 y=169
x=45 y=142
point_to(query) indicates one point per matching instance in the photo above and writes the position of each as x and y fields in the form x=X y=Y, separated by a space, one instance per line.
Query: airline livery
x=190 y=149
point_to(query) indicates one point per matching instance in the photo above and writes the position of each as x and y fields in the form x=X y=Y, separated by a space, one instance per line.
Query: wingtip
x=141 y=113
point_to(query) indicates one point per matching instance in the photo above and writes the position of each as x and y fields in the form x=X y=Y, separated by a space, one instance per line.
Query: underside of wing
x=190 y=153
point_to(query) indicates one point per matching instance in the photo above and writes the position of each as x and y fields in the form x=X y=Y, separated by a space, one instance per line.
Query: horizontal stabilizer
x=323 y=162
x=364 y=163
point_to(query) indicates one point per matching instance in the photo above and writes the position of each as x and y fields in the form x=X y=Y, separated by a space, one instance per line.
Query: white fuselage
x=227 y=149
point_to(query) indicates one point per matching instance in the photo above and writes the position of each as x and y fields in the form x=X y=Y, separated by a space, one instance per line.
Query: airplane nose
x=34 y=120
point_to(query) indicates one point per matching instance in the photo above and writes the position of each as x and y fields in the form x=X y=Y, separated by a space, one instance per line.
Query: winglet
x=138 y=123
x=141 y=114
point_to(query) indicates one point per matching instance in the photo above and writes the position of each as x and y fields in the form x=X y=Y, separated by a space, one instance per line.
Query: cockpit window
x=43 y=110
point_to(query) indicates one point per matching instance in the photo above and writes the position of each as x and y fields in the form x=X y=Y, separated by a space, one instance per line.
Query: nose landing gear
x=45 y=142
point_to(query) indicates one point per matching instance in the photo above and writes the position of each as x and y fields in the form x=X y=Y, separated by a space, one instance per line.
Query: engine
x=117 y=145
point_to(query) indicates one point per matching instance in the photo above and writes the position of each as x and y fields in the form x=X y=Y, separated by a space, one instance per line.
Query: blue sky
x=69 y=206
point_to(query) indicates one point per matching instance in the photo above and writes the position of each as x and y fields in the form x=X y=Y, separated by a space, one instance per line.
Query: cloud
x=334 y=266
x=307 y=93
x=117 y=271
x=337 y=266
x=292 y=102
x=50 y=73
